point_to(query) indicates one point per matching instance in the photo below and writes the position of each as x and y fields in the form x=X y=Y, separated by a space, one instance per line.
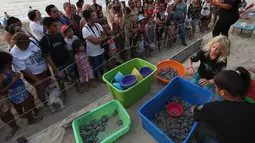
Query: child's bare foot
x=11 y=133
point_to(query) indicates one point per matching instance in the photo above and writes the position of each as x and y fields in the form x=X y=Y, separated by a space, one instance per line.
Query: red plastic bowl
x=174 y=109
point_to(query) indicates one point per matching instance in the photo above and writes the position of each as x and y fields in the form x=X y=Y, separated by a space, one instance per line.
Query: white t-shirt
x=30 y=59
x=69 y=42
x=37 y=30
x=93 y=49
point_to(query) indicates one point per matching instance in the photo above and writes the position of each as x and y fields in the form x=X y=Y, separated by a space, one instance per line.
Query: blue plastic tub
x=189 y=92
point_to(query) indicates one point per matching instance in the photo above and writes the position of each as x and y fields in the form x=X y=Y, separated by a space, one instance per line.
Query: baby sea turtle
x=119 y=123
x=104 y=118
x=168 y=73
x=115 y=113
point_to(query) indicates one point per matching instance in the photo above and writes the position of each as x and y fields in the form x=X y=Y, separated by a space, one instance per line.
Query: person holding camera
x=94 y=36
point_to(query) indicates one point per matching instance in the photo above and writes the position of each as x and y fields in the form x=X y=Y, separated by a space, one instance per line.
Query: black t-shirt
x=234 y=122
x=208 y=68
x=55 y=47
x=230 y=14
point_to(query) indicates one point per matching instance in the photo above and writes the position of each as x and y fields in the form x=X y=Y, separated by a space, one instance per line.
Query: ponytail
x=246 y=77
x=237 y=82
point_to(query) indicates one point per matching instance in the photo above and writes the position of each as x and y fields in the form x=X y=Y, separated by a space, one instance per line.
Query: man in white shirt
x=93 y=33
x=35 y=25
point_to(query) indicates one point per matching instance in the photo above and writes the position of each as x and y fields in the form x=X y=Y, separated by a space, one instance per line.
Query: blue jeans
x=97 y=64
x=181 y=32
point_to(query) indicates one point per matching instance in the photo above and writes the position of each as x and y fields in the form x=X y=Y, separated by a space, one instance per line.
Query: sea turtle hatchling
x=119 y=123
x=115 y=113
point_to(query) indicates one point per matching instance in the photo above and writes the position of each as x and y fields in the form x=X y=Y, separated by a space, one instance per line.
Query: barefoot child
x=15 y=88
x=83 y=66
x=213 y=60
x=231 y=120
x=140 y=44
x=188 y=26
x=6 y=115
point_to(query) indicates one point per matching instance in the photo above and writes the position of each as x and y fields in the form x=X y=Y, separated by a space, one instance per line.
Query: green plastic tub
x=106 y=109
x=131 y=95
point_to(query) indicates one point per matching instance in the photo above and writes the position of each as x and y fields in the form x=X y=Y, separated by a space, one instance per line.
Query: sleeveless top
x=18 y=93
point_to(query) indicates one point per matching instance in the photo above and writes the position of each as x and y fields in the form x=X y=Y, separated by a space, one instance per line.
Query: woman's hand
x=204 y=82
x=191 y=71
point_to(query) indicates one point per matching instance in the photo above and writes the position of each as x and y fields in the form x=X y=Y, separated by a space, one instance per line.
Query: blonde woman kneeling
x=213 y=60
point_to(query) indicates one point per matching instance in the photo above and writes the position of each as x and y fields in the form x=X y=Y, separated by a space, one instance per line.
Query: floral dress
x=84 y=69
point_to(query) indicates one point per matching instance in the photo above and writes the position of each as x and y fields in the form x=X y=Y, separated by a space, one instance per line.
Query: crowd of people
x=80 y=43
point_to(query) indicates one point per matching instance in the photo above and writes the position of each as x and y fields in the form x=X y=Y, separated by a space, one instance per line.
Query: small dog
x=54 y=101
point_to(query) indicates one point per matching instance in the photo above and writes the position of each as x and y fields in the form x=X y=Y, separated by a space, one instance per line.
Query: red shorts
x=40 y=76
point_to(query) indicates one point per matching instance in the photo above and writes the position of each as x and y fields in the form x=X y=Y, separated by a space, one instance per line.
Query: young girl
x=171 y=29
x=213 y=60
x=140 y=44
x=110 y=47
x=188 y=26
x=149 y=11
x=231 y=120
x=150 y=32
x=83 y=66
x=15 y=88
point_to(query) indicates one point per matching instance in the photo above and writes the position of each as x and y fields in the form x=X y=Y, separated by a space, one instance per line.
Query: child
x=15 y=88
x=140 y=44
x=54 y=49
x=141 y=23
x=171 y=29
x=6 y=115
x=188 y=26
x=83 y=66
x=150 y=32
x=149 y=12
x=205 y=15
x=69 y=36
x=213 y=60
x=231 y=120
x=110 y=47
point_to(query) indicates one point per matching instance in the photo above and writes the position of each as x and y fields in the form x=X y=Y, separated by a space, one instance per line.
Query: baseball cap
x=141 y=17
x=64 y=28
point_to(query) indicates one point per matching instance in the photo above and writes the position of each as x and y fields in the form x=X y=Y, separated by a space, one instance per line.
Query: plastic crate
x=133 y=94
x=187 y=91
x=106 y=109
